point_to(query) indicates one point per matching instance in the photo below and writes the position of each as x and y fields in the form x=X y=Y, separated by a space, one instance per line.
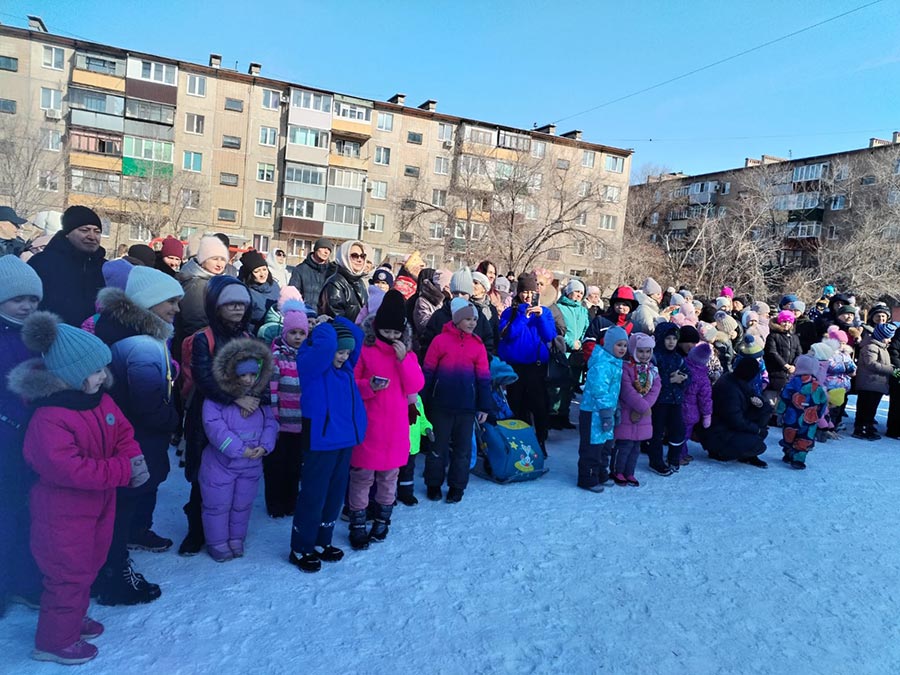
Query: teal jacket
x=601 y=392
x=577 y=320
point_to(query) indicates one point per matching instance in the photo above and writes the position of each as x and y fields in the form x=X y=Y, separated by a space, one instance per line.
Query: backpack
x=510 y=452
x=187 y=352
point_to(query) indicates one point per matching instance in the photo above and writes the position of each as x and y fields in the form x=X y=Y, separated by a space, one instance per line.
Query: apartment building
x=160 y=146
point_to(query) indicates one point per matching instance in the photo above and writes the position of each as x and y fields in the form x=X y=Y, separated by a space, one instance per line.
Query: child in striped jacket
x=282 y=468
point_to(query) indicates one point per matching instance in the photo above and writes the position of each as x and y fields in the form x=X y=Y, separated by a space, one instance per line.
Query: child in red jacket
x=82 y=448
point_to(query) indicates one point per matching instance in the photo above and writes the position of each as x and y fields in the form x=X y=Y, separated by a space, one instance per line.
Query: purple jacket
x=630 y=400
x=698 y=395
x=230 y=433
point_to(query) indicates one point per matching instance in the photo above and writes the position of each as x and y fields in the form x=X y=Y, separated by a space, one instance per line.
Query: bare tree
x=156 y=201
x=31 y=166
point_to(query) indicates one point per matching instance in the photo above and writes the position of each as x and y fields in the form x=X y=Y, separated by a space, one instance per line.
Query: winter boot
x=237 y=547
x=434 y=493
x=193 y=541
x=632 y=481
x=359 y=538
x=74 y=654
x=673 y=458
x=405 y=495
x=454 y=495
x=308 y=562
x=220 y=552
x=754 y=461
x=329 y=553
x=148 y=540
x=872 y=434
x=619 y=479
x=382 y=523
x=125 y=587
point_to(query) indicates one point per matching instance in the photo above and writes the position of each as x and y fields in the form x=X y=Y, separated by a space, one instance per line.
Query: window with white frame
x=306 y=174
x=513 y=141
x=158 y=72
x=234 y=104
x=611 y=193
x=445 y=132
x=608 y=222
x=48 y=180
x=88 y=181
x=149 y=111
x=271 y=99
x=435 y=230
x=139 y=232
x=809 y=172
x=376 y=222
x=538 y=149
x=190 y=199
x=298 y=208
x=531 y=212
x=347 y=148
x=193 y=124
x=146 y=148
x=54 y=58
x=51 y=99
x=482 y=136
x=297 y=247
x=268 y=136
x=51 y=139
x=352 y=112
x=261 y=242
x=341 y=213
x=379 y=189
x=726 y=188
x=431 y=260
x=313 y=138
x=311 y=101
x=599 y=249
x=587 y=159
x=897 y=167
x=265 y=173
x=614 y=164
x=471 y=165
x=535 y=181
x=654 y=218
x=382 y=155
x=838 y=202
x=439 y=198
x=893 y=197
x=460 y=229
x=263 y=208
x=385 y=121
x=196 y=85
x=345 y=178
x=442 y=165
x=584 y=188
x=503 y=170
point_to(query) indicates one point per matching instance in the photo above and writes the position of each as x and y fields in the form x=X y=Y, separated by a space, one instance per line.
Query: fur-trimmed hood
x=232 y=353
x=117 y=308
x=32 y=381
x=368 y=328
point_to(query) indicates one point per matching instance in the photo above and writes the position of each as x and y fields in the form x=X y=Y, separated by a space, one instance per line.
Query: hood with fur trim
x=33 y=382
x=120 y=318
x=368 y=328
x=233 y=352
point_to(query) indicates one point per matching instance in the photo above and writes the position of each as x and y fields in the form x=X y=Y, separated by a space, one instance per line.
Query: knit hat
x=233 y=293
x=762 y=309
x=722 y=302
x=676 y=300
x=806 y=365
x=345 y=338
x=751 y=345
x=323 y=243
x=786 y=300
x=650 y=287
x=846 y=309
x=288 y=293
x=479 y=278
x=821 y=351
x=391 y=315
x=746 y=369
x=460 y=309
x=293 y=313
x=689 y=334
x=749 y=316
x=384 y=275
x=250 y=261
x=461 y=281
x=884 y=331
x=880 y=308
x=707 y=331
x=836 y=333
x=639 y=341
x=614 y=335
x=699 y=353
x=572 y=286
x=172 y=247
x=79 y=216
x=247 y=367
x=726 y=323
x=526 y=282
x=69 y=353
x=18 y=279
x=686 y=294
x=144 y=253
x=670 y=290
x=115 y=272
x=501 y=284
x=785 y=316
x=210 y=247
x=147 y=287
x=727 y=292
x=796 y=306
x=828 y=291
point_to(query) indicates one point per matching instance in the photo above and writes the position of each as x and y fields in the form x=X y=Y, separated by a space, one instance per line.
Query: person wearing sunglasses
x=345 y=292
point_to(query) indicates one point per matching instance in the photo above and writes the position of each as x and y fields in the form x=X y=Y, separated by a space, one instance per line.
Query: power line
x=750 y=138
x=719 y=62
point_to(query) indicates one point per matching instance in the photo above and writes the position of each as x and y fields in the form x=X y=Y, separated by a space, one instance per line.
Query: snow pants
x=668 y=424
x=453 y=439
x=594 y=460
x=322 y=491
x=361 y=481
x=282 y=469
x=228 y=496
x=529 y=399
x=867 y=403
x=20 y=574
x=626 y=457
x=70 y=534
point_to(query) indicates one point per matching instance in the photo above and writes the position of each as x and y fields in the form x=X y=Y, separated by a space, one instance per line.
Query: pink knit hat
x=639 y=341
x=294 y=313
x=836 y=333
x=727 y=292
x=785 y=316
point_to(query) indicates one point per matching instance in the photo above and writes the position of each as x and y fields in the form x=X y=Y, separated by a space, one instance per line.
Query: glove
x=607 y=419
x=430 y=435
x=707 y=420
x=413 y=413
x=140 y=474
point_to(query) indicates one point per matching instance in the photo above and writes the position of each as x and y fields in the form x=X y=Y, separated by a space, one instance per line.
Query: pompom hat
x=69 y=353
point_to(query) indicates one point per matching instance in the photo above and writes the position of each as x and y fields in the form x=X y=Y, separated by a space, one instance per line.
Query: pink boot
x=220 y=553
x=619 y=479
x=90 y=628
x=632 y=481
x=80 y=652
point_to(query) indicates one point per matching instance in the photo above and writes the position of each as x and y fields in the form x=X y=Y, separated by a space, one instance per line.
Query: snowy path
x=719 y=569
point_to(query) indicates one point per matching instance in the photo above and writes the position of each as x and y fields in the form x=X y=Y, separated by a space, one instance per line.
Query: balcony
x=803 y=230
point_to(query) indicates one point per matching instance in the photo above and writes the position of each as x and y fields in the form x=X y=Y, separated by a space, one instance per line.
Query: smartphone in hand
x=381 y=381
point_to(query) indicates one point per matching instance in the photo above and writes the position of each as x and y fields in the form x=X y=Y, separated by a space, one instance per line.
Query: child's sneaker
x=90 y=629
x=237 y=547
x=664 y=470
x=329 y=553
x=74 y=654
x=148 y=540
x=220 y=553
x=619 y=479
x=308 y=562
x=632 y=481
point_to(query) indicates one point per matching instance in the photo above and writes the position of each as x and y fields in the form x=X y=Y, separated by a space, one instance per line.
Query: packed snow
x=722 y=568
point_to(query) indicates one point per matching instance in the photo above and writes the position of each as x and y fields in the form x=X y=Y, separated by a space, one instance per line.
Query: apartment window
x=535 y=181
x=442 y=165
x=431 y=260
x=382 y=155
x=514 y=141
x=503 y=170
x=91 y=182
x=193 y=124
x=158 y=72
x=51 y=99
x=584 y=188
x=581 y=219
x=297 y=247
x=411 y=171
x=51 y=139
x=145 y=148
x=308 y=175
x=271 y=99
x=562 y=164
x=352 y=112
x=227 y=215
x=893 y=197
x=231 y=142
x=611 y=193
x=196 y=85
x=265 y=173
x=436 y=230
x=408 y=205
x=193 y=161
x=838 y=202
x=54 y=58
x=345 y=178
x=439 y=198
x=98 y=64
x=263 y=208
x=472 y=166
x=145 y=190
x=808 y=172
x=681 y=192
x=311 y=101
x=538 y=149
x=139 y=232
x=897 y=167
x=608 y=222
x=726 y=188
x=9 y=63
x=482 y=136
x=347 y=148
x=190 y=199
x=831 y=232
x=86 y=99
x=89 y=141
x=531 y=212
x=385 y=121
x=313 y=138
x=268 y=136
x=298 y=208
x=445 y=132
x=615 y=164
x=587 y=160
x=230 y=179
x=867 y=180
x=379 y=189
x=654 y=218
x=579 y=247
x=234 y=105
x=261 y=243
x=460 y=229
x=414 y=137
x=340 y=213
x=49 y=181
x=376 y=222
x=151 y=112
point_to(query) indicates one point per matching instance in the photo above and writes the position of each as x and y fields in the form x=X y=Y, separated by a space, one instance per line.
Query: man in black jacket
x=71 y=266
x=309 y=276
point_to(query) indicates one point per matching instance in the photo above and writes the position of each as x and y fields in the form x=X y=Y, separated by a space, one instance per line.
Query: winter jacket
x=489 y=312
x=875 y=369
x=807 y=332
x=331 y=399
x=524 y=339
x=386 y=445
x=285 y=388
x=840 y=371
x=576 y=318
x=71 y=279
x=309 y=277
x=646 y=316
x=344 y=294
x=668 y=362
x=761 y=382
x=420 y=428
x=142 y=383
x=442 y=316
x=698 y=393
x=782 y=349
x=192 y=315
x=738 y=427
x=428 y=300
x=802 y=403
x=601 y=392
x=631 y=400
x=724 y=351
x=262 y=297
x=457 y=374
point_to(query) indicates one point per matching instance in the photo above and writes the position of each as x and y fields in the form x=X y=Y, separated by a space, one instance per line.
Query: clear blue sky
x=520 y=63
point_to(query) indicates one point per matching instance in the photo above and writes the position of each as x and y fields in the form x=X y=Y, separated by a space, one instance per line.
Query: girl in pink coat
x=387 y=375
x=639 y=391
x=697 y=406
x=82 y=448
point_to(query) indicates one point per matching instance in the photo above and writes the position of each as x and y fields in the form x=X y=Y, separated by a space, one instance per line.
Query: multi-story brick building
x=160 y=146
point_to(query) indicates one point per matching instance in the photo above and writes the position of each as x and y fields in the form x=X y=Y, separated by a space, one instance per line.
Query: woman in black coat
x=782 y=349
x=345 y=293
x=739 y=418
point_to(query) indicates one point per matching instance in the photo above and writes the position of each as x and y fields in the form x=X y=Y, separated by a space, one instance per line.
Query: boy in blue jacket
x=333 y=412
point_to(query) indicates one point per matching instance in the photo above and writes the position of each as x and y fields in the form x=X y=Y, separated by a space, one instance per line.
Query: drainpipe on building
x=362 y=206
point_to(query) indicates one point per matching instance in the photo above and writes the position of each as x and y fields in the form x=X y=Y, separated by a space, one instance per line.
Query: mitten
x=823 y=423
x=707 y=420
x=607 y=419
x=413 y=413
x=139 y=472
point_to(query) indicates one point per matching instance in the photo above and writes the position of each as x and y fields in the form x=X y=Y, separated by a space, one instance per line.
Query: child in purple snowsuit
x=231 y=465
x=697 y=406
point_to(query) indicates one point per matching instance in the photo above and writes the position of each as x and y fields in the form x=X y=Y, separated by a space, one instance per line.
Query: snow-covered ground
x=723 y=568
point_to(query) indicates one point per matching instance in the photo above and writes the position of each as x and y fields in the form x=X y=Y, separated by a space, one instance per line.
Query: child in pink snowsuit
x=231 y=465
x=82 y=448
x=697 y=405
